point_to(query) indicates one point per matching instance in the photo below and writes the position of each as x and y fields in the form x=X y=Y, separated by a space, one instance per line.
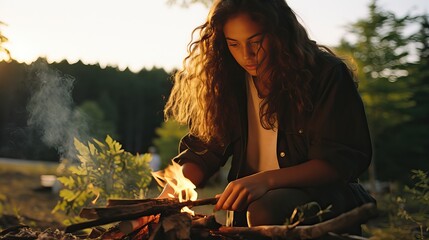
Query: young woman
x=255 y=87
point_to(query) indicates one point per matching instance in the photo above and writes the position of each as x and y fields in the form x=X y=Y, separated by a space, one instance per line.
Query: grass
x=29 y=168
x=23 y=195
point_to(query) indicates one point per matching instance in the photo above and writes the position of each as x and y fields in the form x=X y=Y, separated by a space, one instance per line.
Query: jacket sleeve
x=208 y=157
x=338 y=129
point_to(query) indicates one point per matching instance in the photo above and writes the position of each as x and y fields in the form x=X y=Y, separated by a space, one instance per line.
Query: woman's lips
x=251 y=66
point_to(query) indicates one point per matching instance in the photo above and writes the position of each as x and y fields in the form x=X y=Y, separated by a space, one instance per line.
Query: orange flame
x=184 y=189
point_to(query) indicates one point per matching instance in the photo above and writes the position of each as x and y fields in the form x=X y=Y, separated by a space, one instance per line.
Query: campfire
x=154 y=218
x=172 y=218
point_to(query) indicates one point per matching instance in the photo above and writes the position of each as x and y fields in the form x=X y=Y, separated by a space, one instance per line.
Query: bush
x=407 y=214
x=105 y=171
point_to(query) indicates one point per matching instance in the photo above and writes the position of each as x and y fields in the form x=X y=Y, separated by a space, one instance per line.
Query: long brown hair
x=203 y=93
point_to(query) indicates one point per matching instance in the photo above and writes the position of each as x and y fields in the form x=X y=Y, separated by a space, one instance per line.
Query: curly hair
x=203 y=95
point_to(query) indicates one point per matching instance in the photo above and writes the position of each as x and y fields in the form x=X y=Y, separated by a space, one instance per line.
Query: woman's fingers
x=233 y=198
x=239 y=193
x=241 y=202
x=224 y=197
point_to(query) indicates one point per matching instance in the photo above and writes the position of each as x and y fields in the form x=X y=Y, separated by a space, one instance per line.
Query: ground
x=24 y=197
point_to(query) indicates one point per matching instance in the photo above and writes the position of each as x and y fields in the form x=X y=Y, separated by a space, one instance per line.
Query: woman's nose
x=248 y=52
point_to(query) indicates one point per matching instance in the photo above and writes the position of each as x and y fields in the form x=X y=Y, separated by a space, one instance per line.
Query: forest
x=95 y=102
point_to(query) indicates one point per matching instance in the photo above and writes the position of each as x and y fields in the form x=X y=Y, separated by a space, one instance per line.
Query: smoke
x=51 y=111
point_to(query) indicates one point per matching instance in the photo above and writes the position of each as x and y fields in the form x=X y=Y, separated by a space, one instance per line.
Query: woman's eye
x=233 y=44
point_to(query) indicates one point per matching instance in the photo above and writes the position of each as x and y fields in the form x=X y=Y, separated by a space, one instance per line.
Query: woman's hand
x=240 y=193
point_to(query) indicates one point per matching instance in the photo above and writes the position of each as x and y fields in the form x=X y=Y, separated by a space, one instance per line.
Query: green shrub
x=407 y=215
x=105 y=171
x=420 y=194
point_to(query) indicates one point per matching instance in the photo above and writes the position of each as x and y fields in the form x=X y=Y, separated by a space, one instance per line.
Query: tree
x=130 y=103
x=169 y=135
x=93 y=115
x=380 y=50
x=411 y=137
x=133 y=101
x=4 y=52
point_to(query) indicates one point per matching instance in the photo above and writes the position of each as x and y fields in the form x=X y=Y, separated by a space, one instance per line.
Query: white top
x=262 y=143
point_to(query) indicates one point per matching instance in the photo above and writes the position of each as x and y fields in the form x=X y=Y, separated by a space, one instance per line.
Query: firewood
x=343 y=221
x=128 y=227
x=129 y=212
x=124 y=206
x=142 y=206
x=173 y=227
x=206 y=222
x=116 y=202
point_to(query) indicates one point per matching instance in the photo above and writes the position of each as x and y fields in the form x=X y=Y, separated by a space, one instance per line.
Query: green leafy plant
x=105 y=171
x=420 y=193
x=408 y=214
x=4 y=52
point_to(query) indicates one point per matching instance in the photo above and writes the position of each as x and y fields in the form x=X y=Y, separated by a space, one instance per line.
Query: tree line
x=126 y=105
x=391 y=63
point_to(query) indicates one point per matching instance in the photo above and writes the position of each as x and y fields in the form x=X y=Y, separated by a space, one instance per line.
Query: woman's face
x=246 y=42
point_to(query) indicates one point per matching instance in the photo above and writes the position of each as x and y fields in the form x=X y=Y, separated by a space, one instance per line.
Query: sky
x=149 y=33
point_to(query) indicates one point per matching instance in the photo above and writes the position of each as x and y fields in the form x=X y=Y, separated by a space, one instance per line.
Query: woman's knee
x=275 y=206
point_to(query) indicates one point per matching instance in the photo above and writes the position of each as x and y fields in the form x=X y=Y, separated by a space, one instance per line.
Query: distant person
x=155 y=162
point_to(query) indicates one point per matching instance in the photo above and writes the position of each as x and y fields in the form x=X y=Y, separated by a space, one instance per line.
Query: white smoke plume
x=51 y=111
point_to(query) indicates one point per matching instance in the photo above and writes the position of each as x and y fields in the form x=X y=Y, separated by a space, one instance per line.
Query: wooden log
x=148 y=204
x=118 y=207
x=205 y=222
x=172 y=227
x=355 y=216
x=121 y=202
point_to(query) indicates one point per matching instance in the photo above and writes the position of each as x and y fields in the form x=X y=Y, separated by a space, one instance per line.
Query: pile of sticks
x=163 y=220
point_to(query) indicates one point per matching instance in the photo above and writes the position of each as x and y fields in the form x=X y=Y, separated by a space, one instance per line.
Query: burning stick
x=131 y=212
x=151 y=206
